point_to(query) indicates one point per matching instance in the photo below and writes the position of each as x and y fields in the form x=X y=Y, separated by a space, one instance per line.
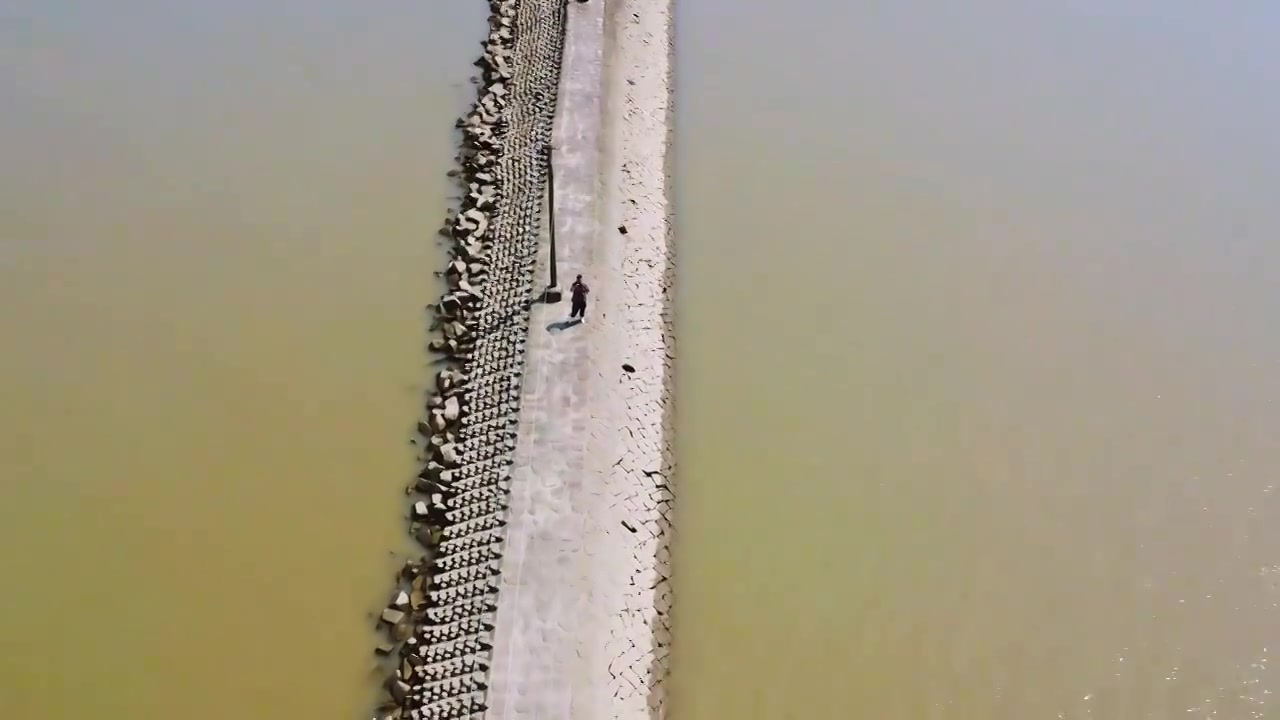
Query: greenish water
x=980 y=375
x=216 y=239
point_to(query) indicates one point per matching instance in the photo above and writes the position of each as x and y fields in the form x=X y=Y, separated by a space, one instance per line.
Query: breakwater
x=584 y=619
x=441 y=617
x=575 y=620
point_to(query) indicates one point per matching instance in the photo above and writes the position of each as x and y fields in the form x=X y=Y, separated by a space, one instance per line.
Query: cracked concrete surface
x=583 y=619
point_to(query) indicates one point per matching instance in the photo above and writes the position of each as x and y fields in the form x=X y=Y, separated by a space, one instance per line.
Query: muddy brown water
x=217 y=232
x=979 y=363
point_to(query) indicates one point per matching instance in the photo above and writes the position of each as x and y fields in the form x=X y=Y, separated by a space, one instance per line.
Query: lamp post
x=552 y=293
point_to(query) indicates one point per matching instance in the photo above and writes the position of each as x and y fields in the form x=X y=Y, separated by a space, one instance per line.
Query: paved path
x=582 y=629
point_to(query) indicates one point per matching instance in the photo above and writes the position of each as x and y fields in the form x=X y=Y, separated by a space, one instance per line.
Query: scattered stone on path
x=384 y=648
x=628 y=367
x=622 y=229
x=392 y=616
x=628 y=526
x=401 y=600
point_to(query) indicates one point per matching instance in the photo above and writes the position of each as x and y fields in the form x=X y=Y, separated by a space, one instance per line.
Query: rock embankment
x=441 y=617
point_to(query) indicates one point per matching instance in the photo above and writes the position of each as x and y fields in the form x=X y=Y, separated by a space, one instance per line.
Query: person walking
x=578 y=299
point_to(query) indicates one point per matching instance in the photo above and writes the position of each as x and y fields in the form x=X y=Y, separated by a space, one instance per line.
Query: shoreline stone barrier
x=441 y=618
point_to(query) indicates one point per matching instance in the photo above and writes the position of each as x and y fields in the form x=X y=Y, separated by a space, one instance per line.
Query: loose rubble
x=440 y=618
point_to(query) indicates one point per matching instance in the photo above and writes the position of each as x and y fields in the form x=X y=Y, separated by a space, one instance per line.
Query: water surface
x=216 y=241
x=980 y=373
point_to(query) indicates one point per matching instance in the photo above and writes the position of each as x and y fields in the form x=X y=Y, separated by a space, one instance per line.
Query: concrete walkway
x=582 y=624
x=546 y=601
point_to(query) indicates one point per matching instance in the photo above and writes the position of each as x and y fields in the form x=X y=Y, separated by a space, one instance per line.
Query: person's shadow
x=563 y=325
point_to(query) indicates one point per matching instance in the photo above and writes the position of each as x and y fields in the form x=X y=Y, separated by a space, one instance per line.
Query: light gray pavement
x=582 y=623
x=544 y=602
